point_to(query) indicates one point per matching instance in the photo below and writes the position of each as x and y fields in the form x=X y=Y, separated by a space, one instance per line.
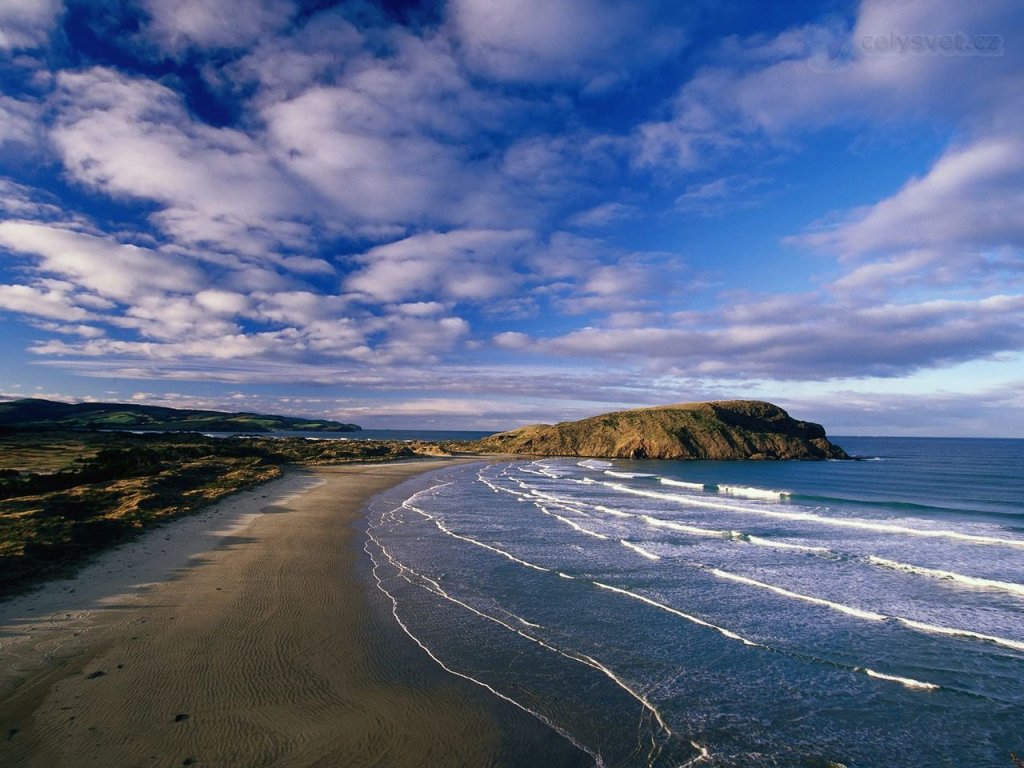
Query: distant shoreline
x=243 y=635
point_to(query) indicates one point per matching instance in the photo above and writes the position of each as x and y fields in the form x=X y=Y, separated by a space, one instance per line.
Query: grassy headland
x=34 y=413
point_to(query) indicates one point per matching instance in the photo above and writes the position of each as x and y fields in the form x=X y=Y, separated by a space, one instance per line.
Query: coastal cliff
x=721 y=430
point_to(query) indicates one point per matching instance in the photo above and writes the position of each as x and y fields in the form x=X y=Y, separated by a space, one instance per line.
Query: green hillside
x=48 y=414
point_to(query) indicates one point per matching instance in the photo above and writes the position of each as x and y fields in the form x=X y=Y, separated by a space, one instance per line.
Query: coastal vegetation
x=66 y=495
x=34 y=413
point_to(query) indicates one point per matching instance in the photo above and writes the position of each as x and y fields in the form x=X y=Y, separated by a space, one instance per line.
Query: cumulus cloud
x=32 y=300
x=968 y=198
x=463 y=265
x=110 y=269
x=27 y=23
x=177 y=24
x=814 y=342
x=559 y=40
x=129 y=137
x=766 y=91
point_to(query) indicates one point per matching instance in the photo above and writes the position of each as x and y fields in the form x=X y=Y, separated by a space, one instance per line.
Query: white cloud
x=398 y=140
x=970 y=198
x=463 y=265
x=219 y=24
x=27 y=23
x=110 y=269
x=30 y=300
x=772 y=90
x=560 y=40
x=131 y=137
x=813 y=341
x=18 y=121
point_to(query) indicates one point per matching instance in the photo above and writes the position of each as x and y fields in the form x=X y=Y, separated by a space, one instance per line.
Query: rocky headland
x=721 y=430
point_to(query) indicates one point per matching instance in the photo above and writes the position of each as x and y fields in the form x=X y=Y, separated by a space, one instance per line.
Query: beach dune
x=259 y=644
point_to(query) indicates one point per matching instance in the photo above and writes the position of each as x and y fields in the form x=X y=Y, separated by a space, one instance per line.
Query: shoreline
x=245 y=635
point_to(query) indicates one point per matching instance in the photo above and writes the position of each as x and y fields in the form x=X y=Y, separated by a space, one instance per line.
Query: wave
x=627 y=475
x=746 y=538
x=880 y=527
x=681 y=484
x=752 y=493
x=676 y=612
x=639 y=550
x=571 y=523
x=613 y=512
x=596 y=756
x=959 y=578
x=433 y=586
x=657 y=522
x=594 y=464
x=906 y=681
x=469 y=540
x=1016 y=645
x=785 y=545
x=861 y=613
x=744 y=491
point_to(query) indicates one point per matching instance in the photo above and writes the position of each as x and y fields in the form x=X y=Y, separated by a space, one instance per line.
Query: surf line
x=582 y=658
x=870 y=615
x=737 y=536
x=444 y=529
x=571 y=523
x=676 y=612
x=950 y=576
x=811 y=518
x=596 y=756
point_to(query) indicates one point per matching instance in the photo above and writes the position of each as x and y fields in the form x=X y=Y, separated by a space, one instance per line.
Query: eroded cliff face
x=723 y=430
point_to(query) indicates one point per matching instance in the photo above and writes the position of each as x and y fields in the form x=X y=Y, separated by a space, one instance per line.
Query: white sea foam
x=612 y=512
x=702 y=754
x=594 y=464
x=1017 y=645
x=571 y=523
x=676 y=612
x=639 y=550
x=847 y=609
x=752 y=493
x=841 y=522
x=738 y=536
x=499 y=488
x=681 y=484
x=670 y=525
x=582 y=658
x=906 y=681
x=545 y=470
x=958 y=578
x=469 y=540
x=860 y=613
x=627 y=475
x=786 y=545
x=596 y=756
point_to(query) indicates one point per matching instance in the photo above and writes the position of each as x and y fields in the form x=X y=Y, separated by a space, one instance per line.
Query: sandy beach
x=246 y=635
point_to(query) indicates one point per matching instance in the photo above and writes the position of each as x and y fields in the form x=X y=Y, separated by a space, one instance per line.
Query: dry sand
x=245 y=636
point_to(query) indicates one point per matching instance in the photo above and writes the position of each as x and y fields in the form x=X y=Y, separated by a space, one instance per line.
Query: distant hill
x=723 y=430
x=34 y=413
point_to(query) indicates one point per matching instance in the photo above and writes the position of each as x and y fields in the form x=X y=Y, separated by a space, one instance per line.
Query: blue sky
x=479 y=214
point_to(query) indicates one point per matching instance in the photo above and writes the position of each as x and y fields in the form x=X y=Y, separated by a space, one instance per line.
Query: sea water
x=841 y=613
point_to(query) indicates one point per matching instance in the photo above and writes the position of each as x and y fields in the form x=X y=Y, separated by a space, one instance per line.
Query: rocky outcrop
x=722 y=430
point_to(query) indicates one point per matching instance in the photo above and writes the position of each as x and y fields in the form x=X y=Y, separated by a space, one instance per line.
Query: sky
x=477 y=214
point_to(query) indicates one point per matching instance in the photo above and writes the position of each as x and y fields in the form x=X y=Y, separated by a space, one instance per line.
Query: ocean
x=867 y=613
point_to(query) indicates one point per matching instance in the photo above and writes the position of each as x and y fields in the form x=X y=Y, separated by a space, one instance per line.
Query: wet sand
x=248 y=635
